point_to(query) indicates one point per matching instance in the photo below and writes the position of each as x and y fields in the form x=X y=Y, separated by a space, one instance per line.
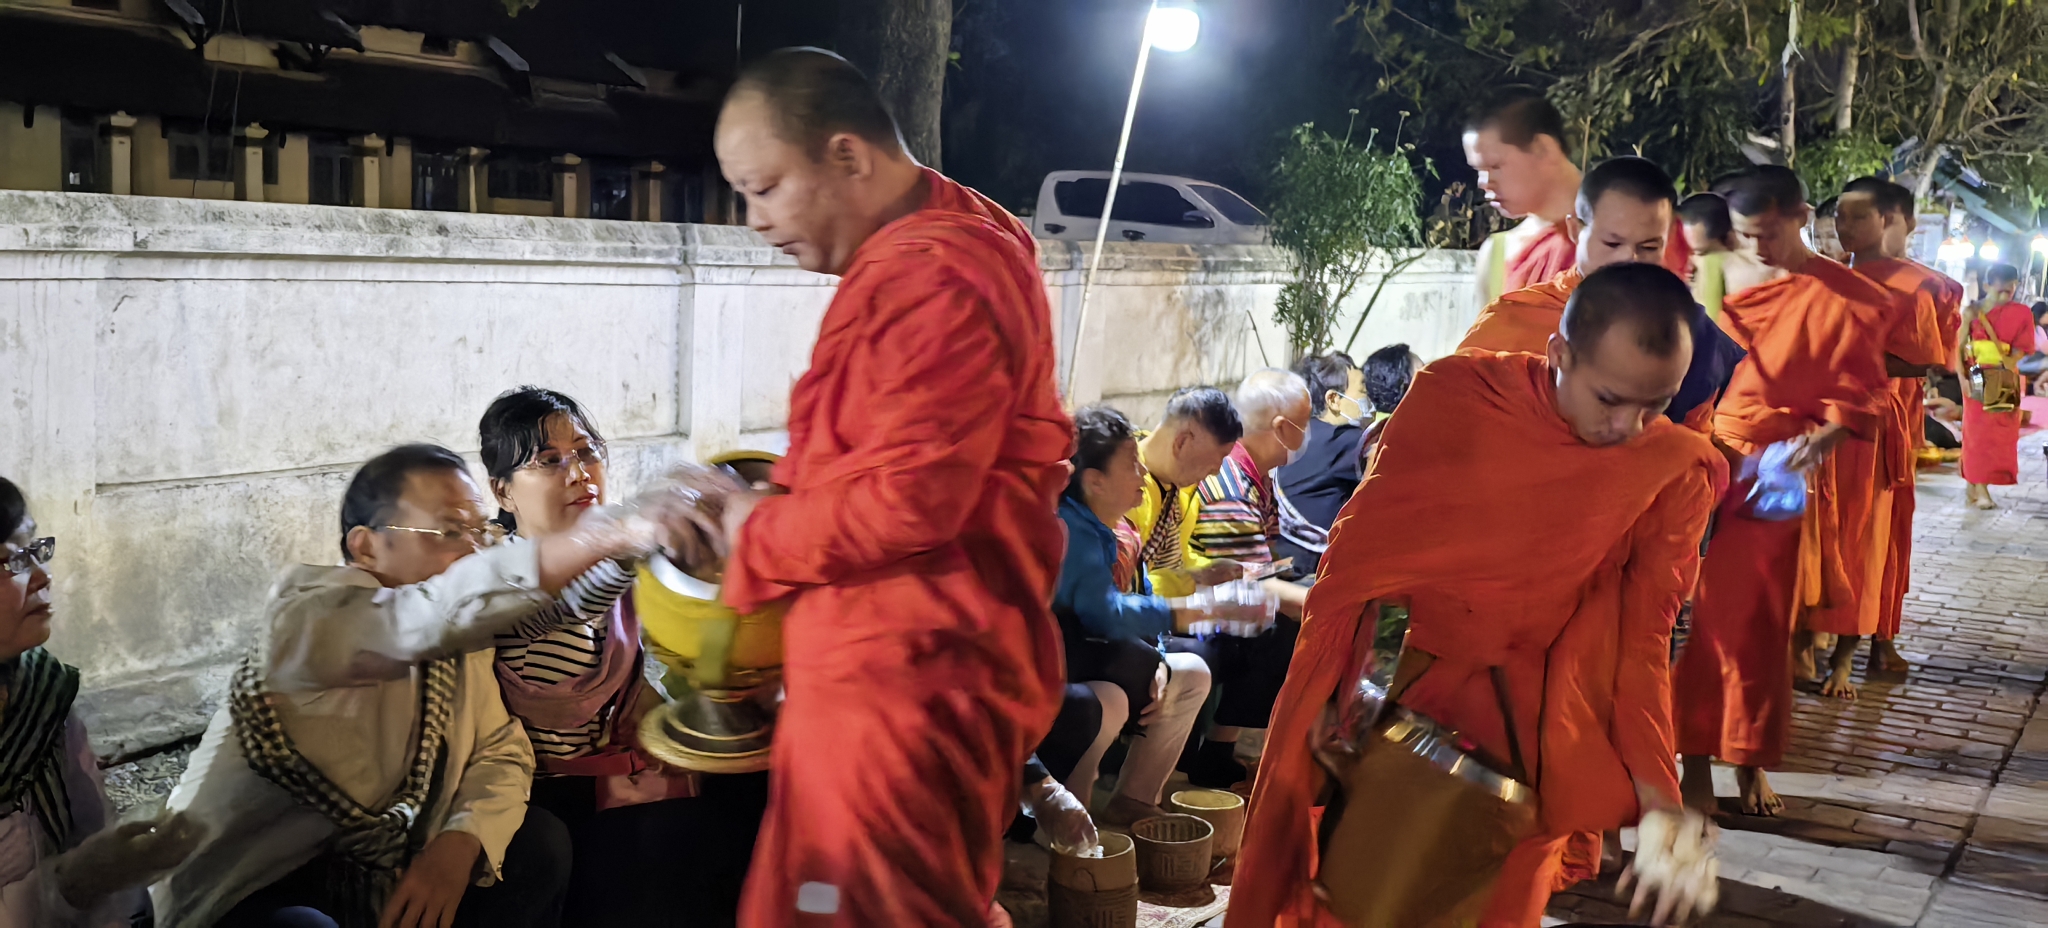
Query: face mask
x=1357 y=404
x=1294 y=454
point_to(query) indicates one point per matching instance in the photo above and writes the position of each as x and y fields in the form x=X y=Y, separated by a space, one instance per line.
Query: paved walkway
x=1923 y=803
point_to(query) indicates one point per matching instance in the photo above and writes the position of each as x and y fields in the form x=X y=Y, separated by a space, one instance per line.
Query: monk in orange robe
x=1814 y=376
x=1625 y=212
x=1873 y=219
x=1516 y=144
x=1566 y=459
x=917 y=543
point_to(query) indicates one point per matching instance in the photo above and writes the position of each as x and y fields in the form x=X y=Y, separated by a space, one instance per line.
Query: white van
x=1149 y=208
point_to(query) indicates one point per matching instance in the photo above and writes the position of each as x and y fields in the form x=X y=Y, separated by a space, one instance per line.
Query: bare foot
x=1837 y=684
x=1757 y=795
x=1696 y=787
x=1885 y=660
x=1803 y=666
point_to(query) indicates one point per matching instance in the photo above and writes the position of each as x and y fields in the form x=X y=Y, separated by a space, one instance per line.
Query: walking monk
x=1873 y=219
x=1565 y=459
x=1814 y=376
x=1624 y=208
x=1999 y=333
x=917 y=544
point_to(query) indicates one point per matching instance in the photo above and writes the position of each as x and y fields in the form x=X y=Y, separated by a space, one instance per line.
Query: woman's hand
x=115 y=859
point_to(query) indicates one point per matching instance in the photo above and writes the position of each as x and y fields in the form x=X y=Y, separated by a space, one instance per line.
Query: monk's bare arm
x=928 y=402
x=1662 y=569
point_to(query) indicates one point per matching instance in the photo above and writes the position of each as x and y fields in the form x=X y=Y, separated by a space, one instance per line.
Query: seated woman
x=1112 y=636
x=59 y=862
x=644 y=837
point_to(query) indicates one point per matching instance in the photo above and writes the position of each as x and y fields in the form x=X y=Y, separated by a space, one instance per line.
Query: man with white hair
x=1239 y=519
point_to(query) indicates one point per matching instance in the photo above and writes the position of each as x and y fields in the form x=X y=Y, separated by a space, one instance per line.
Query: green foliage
x=1338 y=207
x=1828 y=164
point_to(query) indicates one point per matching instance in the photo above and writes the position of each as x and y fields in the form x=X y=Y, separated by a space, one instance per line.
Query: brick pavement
x=1923 y=803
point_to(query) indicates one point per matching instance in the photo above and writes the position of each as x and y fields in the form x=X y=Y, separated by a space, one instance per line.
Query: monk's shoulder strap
x=40 y=690
x=373 y=843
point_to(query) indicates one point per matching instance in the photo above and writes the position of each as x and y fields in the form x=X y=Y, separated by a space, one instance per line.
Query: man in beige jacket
x=364 y=770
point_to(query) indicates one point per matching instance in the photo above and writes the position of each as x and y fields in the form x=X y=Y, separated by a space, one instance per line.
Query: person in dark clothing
x=1316 y=485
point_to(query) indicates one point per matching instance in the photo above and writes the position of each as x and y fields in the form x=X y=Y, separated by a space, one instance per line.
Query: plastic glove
x=1675 y=866
x=1064 y=820
x=1241 y=608
x=129 y=855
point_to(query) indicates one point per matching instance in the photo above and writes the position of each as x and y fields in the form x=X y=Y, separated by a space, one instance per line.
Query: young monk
x=918 y=544
x=1567 y=458
x=1516 y=143
x=1997 y=332
x=1813 y=377
x=1872 y=218
x=1625 y=207
x=1723 y=262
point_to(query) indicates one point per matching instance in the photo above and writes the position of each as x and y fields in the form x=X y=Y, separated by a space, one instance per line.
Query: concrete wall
x=185 y=385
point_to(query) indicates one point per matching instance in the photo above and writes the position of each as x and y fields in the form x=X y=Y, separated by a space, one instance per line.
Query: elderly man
x=917 y=546
x=1238 y=519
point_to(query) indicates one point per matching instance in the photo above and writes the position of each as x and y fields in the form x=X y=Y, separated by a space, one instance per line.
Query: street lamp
x=1988 y=251
x=1169 y=27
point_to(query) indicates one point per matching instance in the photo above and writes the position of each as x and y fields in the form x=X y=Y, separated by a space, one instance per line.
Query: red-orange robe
x=1937 y=305
x=1478 y=462
x=1549 y=254
x=1991 y=453
x=1678 y=250
x=1815 y=356
x=918 y=548
x=1524 y=319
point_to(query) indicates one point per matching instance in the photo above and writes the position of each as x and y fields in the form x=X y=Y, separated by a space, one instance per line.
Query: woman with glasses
x=652 y=846
x=59 y=863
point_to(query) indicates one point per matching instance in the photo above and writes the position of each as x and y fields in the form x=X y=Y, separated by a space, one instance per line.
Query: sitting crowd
x=441 y=729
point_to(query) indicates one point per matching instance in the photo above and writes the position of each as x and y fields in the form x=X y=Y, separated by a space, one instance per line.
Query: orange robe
x=1815 y=356
x=1926 y=339
x=918 y=548
x=1549 y=254
x=1991 y=453
x=1478 y=462
x=1524 y=319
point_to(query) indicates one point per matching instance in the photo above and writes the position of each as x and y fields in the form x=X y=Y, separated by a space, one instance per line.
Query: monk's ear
x=849 y=155
x=1558 y=351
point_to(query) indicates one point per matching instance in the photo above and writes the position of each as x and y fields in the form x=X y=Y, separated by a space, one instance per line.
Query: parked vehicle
x=1149 y=208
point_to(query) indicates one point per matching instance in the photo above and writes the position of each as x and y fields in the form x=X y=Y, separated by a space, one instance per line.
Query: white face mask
x=1356 y=403
x=1294 y=454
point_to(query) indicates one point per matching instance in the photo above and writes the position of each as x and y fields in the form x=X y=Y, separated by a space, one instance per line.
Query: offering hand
x=1675 y=872
x=1065 y=821
x=134 y=854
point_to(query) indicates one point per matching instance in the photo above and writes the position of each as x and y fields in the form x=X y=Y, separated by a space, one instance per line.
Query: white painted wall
x=186 y=385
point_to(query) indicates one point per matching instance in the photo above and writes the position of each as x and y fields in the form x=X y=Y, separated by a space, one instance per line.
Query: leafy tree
x=1340 y=208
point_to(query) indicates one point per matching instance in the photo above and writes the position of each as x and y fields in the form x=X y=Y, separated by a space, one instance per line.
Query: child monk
x=1813 y=377
x=1565 y=458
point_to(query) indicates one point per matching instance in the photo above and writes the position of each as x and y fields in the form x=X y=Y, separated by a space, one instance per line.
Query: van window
x=1136 y=201
x=1232 y=206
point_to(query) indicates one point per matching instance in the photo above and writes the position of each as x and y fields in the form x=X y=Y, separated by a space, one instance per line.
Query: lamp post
x=1169 y=28
x=2038 y=249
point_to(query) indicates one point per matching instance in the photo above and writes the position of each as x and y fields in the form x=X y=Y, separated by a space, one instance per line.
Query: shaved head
x=1891 y=199
x=1622 y=351
x=1705 y=217
x=816 y=95
x=1767 y=204
x=1625 y=205
x=1519 y=117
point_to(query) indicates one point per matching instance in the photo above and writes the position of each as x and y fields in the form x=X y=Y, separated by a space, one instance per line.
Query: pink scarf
x=572 y=702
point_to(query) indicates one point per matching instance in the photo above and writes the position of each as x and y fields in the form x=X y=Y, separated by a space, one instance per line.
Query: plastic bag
x=1779 y=493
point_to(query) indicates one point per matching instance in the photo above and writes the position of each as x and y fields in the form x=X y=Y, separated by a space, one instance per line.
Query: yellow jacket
x=1170 y=582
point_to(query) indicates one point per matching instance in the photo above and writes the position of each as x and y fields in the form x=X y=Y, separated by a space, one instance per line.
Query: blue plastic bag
x=1779 y=493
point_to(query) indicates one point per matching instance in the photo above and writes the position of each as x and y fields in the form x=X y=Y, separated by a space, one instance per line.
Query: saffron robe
x=1525 y=319
x=1991 y=440
x=918 y=547
x=1927 y=339
x=1478 y=461
x=1550 y=253
x=1815 y=356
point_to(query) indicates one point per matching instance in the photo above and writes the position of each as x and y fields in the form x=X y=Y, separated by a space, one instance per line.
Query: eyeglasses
x=39 y=551
x=555 y=464
x=484 y=537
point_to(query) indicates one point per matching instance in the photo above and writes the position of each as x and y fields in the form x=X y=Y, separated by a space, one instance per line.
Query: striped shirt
x=1239 y=515
x=566 y=642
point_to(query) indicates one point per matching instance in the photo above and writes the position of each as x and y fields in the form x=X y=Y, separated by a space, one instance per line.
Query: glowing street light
x=1956 y=250
x=2040 y=244
x=1989 y=250
x=1171 y=26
